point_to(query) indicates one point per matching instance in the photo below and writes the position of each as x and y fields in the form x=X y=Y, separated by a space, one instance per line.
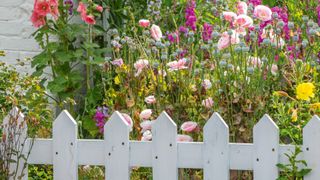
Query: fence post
x=164 y=148
x=20 y=133
x=216 y=149
x=266 y=147
x=65 y=162
x=311 y=147
x=116 y=139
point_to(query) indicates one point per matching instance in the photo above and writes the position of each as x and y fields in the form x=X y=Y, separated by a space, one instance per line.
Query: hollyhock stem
x=88 y=66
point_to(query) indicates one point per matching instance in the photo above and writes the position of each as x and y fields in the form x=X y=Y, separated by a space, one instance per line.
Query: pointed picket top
x=64 y=143
x=311 y=147
x=164 y=148
x=116 y=120
x=216 y=149
x=164 y=118
x=265 y=123
x=116 y=140
x=215 y=122
x=313 y=123
x=65 y=118
x=266 y=148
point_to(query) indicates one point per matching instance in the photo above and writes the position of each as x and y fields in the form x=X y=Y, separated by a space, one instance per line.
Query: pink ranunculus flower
x=263 y=13
x=99 y=8
x=146 y=136
x=150 y=100
x=177 y=65
x=128 y=120
x=144 y=23
x=208 y=103
x=229 y=16
x=206 y=84
x=189 y=126
x=146 y=125
x=155 y=32
x=184 y=138
x=225 y=42
x=243 y=21
x=242 y=7
x=117 y=62
x=140 y=65
x=145 y=114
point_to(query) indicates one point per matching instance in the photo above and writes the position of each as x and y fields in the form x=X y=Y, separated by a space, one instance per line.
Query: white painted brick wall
x=15 y=32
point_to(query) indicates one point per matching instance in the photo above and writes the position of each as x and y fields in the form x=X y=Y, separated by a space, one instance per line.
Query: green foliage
x=291 y=171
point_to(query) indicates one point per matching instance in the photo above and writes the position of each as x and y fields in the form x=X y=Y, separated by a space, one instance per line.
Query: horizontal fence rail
x=215 y=155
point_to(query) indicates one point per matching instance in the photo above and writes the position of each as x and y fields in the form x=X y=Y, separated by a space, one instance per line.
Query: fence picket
x=311 y=147
x=116 y=139
x=65 y=131
x=266 y=147
x=164 y=148
x=216 y=149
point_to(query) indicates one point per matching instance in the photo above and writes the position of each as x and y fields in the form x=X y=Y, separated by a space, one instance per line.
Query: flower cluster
x=87 y=14
x=41 y=9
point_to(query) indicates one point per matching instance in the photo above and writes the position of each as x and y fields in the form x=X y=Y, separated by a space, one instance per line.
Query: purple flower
x=207 y=31
x=100 y=117
x=70 y=4
x=191 y=18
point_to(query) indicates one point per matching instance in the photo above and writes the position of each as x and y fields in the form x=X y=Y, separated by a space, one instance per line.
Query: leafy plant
x=291 y=171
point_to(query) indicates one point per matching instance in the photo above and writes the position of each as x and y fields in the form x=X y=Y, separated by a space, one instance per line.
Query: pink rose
x=242 y=7
x=144 y=23
x=146 y=125
x=229 y=16
x=145 y=114
x=208 y=103
x=140 y=65
x=150 y=100
x=189 y=126
x=263 y=13
x=177 y=65
x=184 y=138
x=225 y=42
x=117 y=62
x=99 y=8
x=155 y=32
x=146 y=136
x=243 y=21
x=128 y=120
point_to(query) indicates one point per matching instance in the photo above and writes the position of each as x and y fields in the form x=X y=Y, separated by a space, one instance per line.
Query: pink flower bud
x=144 y=23
x=150 y=100
x=189 y=126
x=155 y=32
x=146 y=114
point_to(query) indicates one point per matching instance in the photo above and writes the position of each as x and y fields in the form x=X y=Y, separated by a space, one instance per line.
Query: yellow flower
x=117 y=80
x=294 y=115
x=305 y=91
x=315 y=106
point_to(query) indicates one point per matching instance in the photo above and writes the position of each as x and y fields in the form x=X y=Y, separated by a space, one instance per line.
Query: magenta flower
x=207 y=31
x=174 y=37
x=190 y=16
x=100 y=117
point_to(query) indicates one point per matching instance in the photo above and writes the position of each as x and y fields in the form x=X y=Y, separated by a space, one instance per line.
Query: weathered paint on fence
x=215 y=155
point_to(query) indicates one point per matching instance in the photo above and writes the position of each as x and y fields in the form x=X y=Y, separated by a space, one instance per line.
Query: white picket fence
x=216 y=156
